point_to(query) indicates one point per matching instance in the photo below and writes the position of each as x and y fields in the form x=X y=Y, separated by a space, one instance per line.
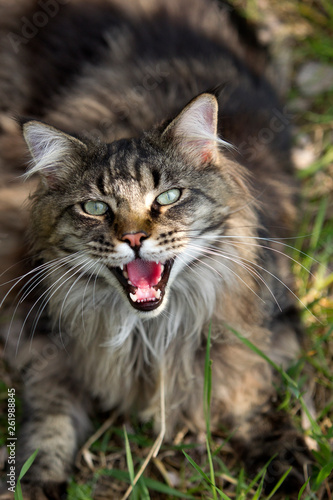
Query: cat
x=162 y=155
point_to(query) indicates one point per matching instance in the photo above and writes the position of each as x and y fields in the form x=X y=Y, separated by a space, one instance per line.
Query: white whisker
x=43 y=271
x=283 y=284
x=85 y=270
x=20 y=278
x=248 y=267
x=41 y=308
x=86 y=288
x=271 y=240
x=49 y=295
x=43 y=274
x=94 y=287
x=230 y=270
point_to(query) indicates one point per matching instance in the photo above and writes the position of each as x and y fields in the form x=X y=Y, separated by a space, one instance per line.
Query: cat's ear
x=194 y=130
x=53 y=152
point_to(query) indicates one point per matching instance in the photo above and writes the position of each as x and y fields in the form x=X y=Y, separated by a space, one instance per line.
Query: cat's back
x=166 y=50
x=155 y=57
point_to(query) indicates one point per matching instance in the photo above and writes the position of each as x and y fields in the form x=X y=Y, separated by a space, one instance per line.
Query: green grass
x=26 y=466
x=191 y=469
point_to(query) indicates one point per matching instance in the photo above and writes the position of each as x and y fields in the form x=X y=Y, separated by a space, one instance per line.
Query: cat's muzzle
x=144 y=282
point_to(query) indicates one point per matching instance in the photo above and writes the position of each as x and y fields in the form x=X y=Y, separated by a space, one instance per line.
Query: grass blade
x=130 y=465
x=150 y=483
x=205 y=477
x=208 y=385
x=18 y=491
x=277 y=486
x=211 y=468
x=143 y=490
x=323 y=474
x=302 y=489
x=207 y=400
x=26 y=466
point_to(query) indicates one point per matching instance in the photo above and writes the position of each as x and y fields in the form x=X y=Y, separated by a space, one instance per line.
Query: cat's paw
x=287 y=453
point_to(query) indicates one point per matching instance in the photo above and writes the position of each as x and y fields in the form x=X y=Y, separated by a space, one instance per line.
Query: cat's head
x=139 y=211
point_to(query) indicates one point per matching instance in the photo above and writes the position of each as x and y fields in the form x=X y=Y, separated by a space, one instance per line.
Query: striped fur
x=119 y=118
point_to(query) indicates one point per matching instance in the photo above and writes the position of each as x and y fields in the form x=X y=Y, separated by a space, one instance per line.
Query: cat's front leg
x=55 y=423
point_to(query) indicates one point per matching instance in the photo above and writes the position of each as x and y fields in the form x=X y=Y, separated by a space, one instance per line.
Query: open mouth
x=144 y=282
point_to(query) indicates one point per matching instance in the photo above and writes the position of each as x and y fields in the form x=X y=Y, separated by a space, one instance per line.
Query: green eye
x=168 y=197
x=95 y=207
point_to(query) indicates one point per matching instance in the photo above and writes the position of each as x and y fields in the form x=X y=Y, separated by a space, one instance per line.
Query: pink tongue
x=144 y=274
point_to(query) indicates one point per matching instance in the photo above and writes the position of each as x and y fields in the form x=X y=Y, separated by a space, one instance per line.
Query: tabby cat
x=165 y=181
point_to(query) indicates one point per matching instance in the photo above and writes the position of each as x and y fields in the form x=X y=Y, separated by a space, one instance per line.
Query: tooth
x=125 y=273
x=129 y=282
x=133 y=297
x=158 y=294
x=121 y=267
x=162 y=268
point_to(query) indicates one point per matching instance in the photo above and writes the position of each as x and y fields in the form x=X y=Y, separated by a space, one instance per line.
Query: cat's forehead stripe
x=156 y=177
x=137 y=169
x=129 y=167
x=100 y=183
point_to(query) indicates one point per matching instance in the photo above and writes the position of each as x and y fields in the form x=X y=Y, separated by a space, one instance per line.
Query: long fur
x=118 y=110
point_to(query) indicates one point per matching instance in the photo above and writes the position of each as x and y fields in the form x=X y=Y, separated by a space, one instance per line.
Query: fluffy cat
x=156 y=216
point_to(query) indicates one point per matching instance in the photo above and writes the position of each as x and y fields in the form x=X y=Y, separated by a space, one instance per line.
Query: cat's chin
x=144 y=283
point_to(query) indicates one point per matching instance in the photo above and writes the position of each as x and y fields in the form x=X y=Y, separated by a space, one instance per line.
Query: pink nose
x=134 y=239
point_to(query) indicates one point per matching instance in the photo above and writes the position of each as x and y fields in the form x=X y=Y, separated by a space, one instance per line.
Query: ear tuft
x=195 y=129
x=52 y=150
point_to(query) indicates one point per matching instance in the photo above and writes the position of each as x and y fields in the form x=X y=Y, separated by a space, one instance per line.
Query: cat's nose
x=134 y=239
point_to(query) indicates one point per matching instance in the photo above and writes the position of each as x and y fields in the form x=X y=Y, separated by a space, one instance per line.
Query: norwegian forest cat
x=161 y=159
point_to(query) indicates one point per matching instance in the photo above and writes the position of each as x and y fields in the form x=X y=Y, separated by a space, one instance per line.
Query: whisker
x=34 y=282
x=20 y=278
x=41 y=308
x=42 y=272
x=231 y=270
x=255 y=228
x=252 y=201
x=271 y=240
x=48 y=296
x=257 y=245
x=285 y=286
x=280 y=240
x=26 y=259
x=86 y=288
x=64 y=300
x=85 y=270
x=240 y=261
x=95 y=282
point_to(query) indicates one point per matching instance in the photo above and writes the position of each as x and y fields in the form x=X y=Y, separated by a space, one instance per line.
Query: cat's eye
x=168 y=197
x=95 y=207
